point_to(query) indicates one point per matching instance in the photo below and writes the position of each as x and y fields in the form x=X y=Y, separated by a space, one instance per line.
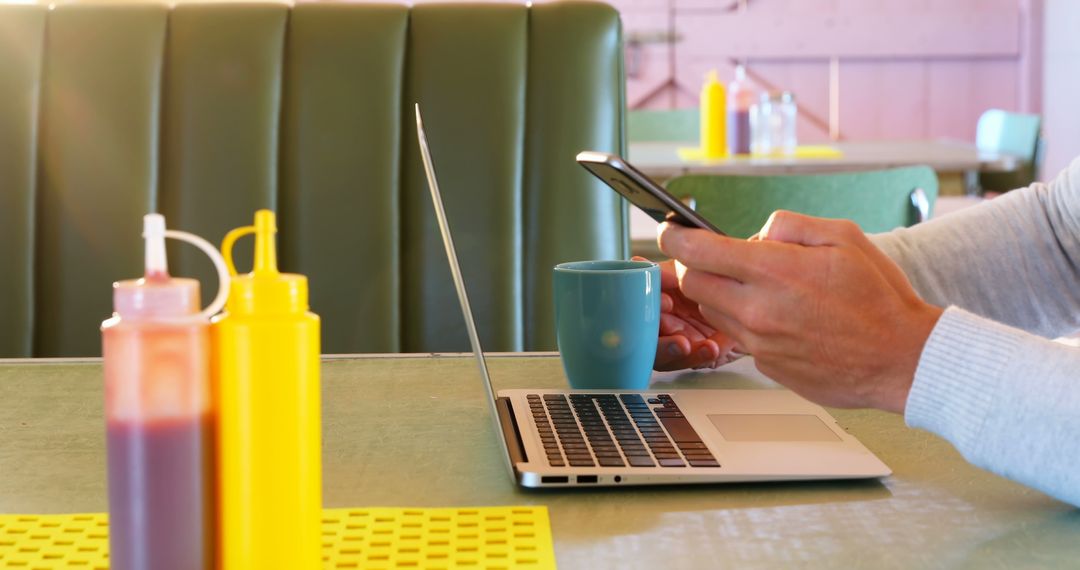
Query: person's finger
x=670 y=352
x=667 y=272
x=705 y=355
x=697 y=331
x=668 y=279
x=667 y=304
x=698 y=322
x=739 y=337
x=702 y=354
x=674 y=325
x=728 y=350
x=792 y=227
x=739 y=259
x=677 y=353
x=721 y=293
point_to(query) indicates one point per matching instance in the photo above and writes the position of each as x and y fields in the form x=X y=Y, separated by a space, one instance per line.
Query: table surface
x=414 y=431
x=661 y=159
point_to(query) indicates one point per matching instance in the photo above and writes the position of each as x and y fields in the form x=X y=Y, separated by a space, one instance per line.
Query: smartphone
x=647 y=195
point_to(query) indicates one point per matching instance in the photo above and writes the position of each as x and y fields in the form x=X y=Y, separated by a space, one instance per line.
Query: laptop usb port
x=586 y=478
x=554 y=479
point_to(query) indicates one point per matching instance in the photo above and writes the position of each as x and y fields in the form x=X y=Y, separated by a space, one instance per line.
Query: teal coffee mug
x=607 y=319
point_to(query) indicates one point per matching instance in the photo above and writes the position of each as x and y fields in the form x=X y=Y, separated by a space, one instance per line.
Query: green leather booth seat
x=206 y=112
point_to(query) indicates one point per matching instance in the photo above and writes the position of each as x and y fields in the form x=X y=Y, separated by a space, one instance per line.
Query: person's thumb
x=792 y=227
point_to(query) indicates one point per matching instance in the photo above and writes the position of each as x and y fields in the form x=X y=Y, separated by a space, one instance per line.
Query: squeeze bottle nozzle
x=157 y=295
x=265 y=250
x=157 y=266
x=265 y=290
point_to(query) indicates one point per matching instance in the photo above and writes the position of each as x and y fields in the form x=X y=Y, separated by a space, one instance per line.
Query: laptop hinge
x=509 y=426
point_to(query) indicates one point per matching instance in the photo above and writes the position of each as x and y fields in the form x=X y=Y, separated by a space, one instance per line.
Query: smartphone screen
x=642 y=192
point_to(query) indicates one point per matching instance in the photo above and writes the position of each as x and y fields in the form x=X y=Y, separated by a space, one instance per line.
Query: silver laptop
x=560 y=438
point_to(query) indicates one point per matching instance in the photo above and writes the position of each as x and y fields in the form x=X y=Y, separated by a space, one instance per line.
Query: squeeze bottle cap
x=264 y=291
x=157 y=295
x=740 y=73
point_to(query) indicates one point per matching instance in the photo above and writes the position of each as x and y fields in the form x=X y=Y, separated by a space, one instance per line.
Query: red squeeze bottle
x=160 y=415
x=740 y=98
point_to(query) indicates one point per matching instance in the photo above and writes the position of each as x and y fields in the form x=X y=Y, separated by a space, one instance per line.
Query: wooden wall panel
x=850 y=28
x=648 y=67
x=907 y=68
x=883 y=101
x=958 y=91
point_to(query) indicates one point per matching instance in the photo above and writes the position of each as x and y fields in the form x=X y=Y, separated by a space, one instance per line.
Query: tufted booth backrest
x=206 y=112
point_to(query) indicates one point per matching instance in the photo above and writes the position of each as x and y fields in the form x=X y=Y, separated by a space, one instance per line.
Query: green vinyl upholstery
x=20 y=91
x=207 y=111
x=668 y=125
x=879 y=200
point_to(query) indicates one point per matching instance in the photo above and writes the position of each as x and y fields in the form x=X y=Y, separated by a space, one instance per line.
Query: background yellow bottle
x=713 y=117
x=266 y=348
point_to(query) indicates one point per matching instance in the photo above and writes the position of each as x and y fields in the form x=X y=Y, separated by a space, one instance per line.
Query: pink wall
x=1061 y=125
x=899 y=68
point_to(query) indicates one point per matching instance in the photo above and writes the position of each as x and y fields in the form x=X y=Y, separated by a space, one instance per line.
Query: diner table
x=661 y=160
x=414 y=431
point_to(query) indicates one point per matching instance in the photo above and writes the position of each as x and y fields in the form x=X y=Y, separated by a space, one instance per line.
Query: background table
x=955 y=163
x=414 y=431
x=661 y=160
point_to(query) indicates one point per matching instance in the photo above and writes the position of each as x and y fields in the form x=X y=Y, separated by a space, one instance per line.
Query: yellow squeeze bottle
x=266 y=349
x=713 y=117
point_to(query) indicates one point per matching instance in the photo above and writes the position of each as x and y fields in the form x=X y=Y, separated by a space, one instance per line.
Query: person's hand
x=686 y=340
x=822 y=310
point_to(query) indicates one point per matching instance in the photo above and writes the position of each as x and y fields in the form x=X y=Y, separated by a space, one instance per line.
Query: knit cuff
x=958 y=376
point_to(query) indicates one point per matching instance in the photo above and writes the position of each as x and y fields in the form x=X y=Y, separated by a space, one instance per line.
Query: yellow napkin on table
x=694 y=154
x=483 y=537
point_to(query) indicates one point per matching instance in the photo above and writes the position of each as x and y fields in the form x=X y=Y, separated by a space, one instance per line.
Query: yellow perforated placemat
x=490 y=537
x=377 y=538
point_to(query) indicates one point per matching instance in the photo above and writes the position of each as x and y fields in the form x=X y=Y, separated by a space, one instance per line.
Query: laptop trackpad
x=772 y=427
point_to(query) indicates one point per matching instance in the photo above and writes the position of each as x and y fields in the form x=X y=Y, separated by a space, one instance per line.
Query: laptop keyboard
x=608 y=430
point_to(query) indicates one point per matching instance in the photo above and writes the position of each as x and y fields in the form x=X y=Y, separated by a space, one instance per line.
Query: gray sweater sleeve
x=988 y=380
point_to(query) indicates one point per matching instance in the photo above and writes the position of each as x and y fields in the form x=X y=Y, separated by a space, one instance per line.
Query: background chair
x=207 y=111
x=878 y=200
x=673 y=125
x=1010 y=133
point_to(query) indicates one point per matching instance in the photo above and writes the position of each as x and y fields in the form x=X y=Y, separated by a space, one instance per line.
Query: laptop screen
x=459 y=283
